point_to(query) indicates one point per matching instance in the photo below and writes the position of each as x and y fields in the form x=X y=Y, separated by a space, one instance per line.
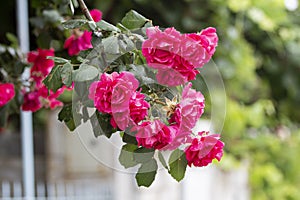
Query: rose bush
x=135 y=78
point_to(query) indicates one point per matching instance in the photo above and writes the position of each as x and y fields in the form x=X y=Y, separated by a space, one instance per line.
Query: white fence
x=87 y=190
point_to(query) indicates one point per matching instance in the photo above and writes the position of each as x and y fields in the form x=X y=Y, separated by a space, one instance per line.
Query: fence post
x=26 y=117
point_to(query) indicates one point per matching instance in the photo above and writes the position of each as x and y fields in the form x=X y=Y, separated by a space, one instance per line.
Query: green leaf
x=85 y=73
x=66 y=74
x=101 y=124
x=103 y=25
x=177 y=163
x=53 y=80
x=12 y=39
x=66 y=115
x=74 y=23
x=129 y=139
x=126 y=156
x=133 y=20
x=143 y=155
x=58 y=59
x=146 y=173
x=111 y=45
x=52 y=16
x=162 y=160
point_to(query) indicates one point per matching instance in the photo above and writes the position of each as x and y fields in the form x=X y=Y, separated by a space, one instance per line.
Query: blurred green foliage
x=258 y=57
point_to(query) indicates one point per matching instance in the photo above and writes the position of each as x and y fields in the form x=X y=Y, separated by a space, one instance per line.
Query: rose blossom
x=41 y=65
x=7 y=91
x=208 y=39
x=96 y=15
x=186 y=114
x=154 y=134
x=100 y=92
x=122 y=92
x=78 y=41
x=204 y=149
x=177 y=56
x=138 y=107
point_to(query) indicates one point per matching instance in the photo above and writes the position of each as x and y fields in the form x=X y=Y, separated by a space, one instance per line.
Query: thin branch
x=85 y=10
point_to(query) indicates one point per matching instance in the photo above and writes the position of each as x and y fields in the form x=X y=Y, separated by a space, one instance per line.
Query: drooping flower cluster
x=116 y=95
x=38 y=96
x=7 y=91
x=177 y=57
x=204 y=149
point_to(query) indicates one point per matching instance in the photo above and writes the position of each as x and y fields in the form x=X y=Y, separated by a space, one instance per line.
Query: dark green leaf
x=85 y=73
x=129 y=139
x=3 y=115
x=162 y=160
x=101 y=124
x=177 y=163
x=53 y=80
x=126 y=156
x=133 y=20
x=66 y=115
x=103 y=25
x=146 y=173
x=143 y=155
x=12 y=39
x=74 y=23
x=66 y=74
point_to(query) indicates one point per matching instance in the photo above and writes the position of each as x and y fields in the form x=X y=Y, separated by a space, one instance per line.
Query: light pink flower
x=7 y=91
x=204 y=149
x=41 y=65
x=78 y=41
x=123 y=90
x=208 y=39
x=96 y=15
x=186 y=114
x=154 y=134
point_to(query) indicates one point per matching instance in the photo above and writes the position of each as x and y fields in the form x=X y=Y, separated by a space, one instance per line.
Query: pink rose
x=208 y=39
x=154 y=134
x=171 y=53
x=186 y=114
x=96 y=15
x=102 y=92
x=122 y=92
x=138 y=107
x=41 y=65
x=31 y=101
x=41 y=97
x=204 y=149
x=78 y=41
x=7 y=91
x=161 y=47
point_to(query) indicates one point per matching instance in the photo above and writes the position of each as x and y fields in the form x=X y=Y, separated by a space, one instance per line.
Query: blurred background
x=258 y=57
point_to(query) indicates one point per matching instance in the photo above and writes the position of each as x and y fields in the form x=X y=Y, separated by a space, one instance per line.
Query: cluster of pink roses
x=38 y=96
x=177 y=56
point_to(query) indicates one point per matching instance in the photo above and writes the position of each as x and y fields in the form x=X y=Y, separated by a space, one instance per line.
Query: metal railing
x=81 y=190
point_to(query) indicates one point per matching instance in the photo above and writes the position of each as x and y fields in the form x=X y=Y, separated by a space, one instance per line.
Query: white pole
x=26 y=117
